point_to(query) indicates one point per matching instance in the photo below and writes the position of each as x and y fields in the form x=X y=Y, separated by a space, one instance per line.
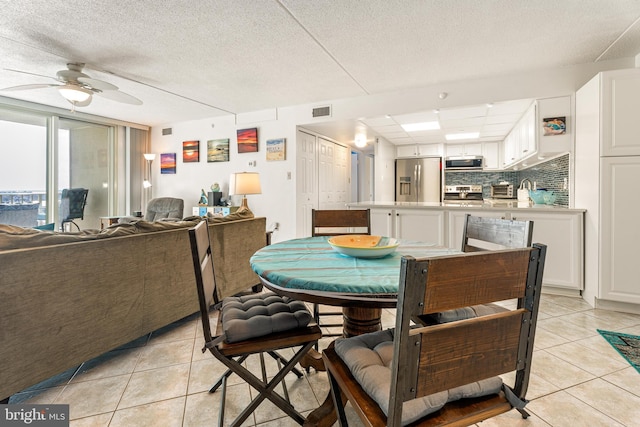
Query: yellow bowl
x=363 y=246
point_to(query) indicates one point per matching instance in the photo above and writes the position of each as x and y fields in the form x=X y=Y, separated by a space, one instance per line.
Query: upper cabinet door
x=620 y=107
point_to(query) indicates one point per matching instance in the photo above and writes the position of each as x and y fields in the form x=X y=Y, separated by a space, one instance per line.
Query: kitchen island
x=558 y=227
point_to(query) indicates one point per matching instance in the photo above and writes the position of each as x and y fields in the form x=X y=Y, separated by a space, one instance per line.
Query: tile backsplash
x=550 y=175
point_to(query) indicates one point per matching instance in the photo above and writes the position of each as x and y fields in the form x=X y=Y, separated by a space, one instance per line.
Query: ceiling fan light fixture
x=73 y=93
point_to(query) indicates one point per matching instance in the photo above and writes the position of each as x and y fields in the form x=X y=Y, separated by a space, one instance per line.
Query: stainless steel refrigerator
x=419 y=180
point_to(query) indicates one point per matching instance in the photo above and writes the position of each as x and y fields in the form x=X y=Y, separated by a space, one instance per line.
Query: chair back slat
x=204 y=272
x=334 y=222
x=482 y=233
x=479 y=348
x=475 y=278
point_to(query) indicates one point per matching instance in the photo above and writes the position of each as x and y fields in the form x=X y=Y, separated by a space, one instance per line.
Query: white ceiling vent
x=167 y=131
x=321 y=111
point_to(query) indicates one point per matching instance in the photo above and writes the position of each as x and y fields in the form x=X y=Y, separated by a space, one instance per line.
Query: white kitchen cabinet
x=418 y=150
x=619 y=230
x=471 y=149
x=563 y=235
x=420 y=225
x=620 y=124
x=607 y=166
x=521 y=142
x=491 y=154
x=561 y=232
x=409 y=224
x=382 y=221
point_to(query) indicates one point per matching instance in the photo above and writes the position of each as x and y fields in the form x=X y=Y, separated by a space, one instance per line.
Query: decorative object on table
x=203 y=198
x=276 y=149
x=554 y=126
x=168 y=163
x=190 y=151
x=627 y=345
x=364 y=246
x=215 y=194
x=243 y=183
x=218 y=150
x=149 y=157
x=248 y=140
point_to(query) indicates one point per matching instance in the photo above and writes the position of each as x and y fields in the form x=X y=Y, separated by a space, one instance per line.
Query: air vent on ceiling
x=166 y=131
x=321 y=111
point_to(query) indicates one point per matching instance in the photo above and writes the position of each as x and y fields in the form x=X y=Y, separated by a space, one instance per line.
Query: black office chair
x=72 y=203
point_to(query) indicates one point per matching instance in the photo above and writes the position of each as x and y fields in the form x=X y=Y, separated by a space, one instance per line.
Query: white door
x=306 y=182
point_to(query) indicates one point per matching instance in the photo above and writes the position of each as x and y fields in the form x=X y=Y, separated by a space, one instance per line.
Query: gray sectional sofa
x=68 y=297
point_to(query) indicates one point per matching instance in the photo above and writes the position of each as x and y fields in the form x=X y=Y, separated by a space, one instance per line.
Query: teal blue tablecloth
x=312 y=264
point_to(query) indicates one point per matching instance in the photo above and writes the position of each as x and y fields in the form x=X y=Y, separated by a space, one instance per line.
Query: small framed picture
x=554 y=126
x=168 y=163
x=276 y=149
x=248 y=140
x=218 y=150
x=191 y=151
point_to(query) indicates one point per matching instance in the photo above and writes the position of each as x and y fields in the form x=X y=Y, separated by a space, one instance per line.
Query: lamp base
x=243 y=205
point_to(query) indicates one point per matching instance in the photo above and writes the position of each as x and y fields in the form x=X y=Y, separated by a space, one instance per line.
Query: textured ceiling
x=194 y=59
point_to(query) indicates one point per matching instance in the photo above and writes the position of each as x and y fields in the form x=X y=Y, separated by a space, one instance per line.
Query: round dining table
x=310 y=269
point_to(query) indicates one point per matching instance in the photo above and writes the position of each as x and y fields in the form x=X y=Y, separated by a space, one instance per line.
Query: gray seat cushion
x=254 y=316
x=369 y=359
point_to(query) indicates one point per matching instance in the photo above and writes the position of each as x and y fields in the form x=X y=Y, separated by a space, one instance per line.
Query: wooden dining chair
x=333 y=223
x=250 y=325
x=432 y=374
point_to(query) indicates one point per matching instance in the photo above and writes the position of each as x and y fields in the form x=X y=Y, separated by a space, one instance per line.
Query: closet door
x=306 y=182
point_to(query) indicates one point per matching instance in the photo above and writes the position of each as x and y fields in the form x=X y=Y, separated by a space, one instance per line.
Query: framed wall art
x=190 y=151
x=276 y=149
x=218 y=150
x=168 y=163
x=248 y=140
x=554 y=125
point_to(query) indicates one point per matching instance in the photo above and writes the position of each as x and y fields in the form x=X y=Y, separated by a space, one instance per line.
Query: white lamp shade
x=245 y=183
x=149 y=156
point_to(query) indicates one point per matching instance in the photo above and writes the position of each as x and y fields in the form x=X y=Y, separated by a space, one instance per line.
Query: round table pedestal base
x=358 y=321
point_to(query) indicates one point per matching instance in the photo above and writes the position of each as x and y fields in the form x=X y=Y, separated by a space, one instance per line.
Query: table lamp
x=244 y=183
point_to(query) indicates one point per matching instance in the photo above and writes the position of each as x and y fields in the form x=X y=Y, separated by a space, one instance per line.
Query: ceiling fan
x=78 y=88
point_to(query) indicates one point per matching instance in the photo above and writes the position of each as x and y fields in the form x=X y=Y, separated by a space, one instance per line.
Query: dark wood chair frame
x=337 y=218
x=429 y=357
x=233 y=354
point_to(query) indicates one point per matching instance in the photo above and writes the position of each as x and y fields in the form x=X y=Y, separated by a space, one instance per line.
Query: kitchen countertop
x=487 y=204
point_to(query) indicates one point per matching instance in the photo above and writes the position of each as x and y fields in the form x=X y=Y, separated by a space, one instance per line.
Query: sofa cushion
x=369 y=358
x=254 y=316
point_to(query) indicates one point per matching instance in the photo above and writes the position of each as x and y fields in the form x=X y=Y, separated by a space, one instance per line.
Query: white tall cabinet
x=607 y=167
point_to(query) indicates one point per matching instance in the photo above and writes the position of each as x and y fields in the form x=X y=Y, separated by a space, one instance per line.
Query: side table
x=109 y=220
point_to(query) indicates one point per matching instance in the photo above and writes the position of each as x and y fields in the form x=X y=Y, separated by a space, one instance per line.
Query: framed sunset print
x=168 y=163
x=248 y=140
x=191 y=151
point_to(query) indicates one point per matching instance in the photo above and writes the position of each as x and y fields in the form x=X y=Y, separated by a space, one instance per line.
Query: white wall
x=277 y=202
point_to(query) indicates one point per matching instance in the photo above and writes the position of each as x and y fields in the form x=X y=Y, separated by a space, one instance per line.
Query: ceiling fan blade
x=27 y=87
x=31 y=74
x=97 y=84
x=116 y=95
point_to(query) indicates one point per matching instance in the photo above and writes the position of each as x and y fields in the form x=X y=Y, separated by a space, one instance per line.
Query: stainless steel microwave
x=464 y=163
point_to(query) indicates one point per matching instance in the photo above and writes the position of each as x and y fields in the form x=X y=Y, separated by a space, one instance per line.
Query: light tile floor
x=162 y=379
